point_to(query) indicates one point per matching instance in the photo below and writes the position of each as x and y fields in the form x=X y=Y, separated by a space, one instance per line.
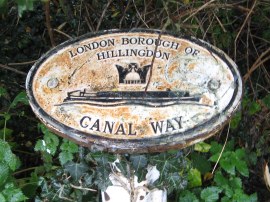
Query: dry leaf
x=266 y=175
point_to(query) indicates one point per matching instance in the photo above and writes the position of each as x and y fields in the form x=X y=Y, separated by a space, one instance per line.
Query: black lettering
x=110 y=42
x=169 y=126
x=125 y=41
x=158 y=54
x=157 y=126
x=141 y=41
x=174 y=45
x=133 y=52
x=166 y=55
x=195 y=52
x=101 y=56
x=165 y=44
x=95 y=125
x=109 y=126
x=178 y=120
x=87 y=47
x=95 y=45
x=192 y=51
x=141 y=53
x=130 y=130
x=133 y=41
x=80 y=50
x=82 y=123
x=120 y=129
x=149 y=53
x=103 y=43
x=71 y=54
x=149 y=41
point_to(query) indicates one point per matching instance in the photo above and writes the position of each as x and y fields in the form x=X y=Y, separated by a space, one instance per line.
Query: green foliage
x=11 y=193
x=49 y=143
x=227 y=183
x=65 y=166
x=266 y=101
x=9 y=162
x=68 y=149
x=188 y=196
x=202 y=147
x=23 y=5
x=194 y=178
x=76 y=170
x=173 y=170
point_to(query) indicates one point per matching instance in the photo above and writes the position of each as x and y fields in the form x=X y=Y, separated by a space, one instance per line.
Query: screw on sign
x=134 y=91
x=93 y=90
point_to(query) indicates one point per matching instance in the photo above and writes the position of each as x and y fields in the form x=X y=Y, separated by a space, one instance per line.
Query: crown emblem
x=132 y=74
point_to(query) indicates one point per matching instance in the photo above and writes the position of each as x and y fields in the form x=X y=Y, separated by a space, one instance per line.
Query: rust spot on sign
x=92 y=90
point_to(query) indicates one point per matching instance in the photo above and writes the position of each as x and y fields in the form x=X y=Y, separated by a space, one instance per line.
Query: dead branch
x=48 y=22
x=103 y=14
x=12 y=69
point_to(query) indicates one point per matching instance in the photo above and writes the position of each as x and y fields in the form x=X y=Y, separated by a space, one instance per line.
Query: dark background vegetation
x=240 y=28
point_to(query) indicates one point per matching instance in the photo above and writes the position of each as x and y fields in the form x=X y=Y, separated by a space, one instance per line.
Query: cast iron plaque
x=101 y=90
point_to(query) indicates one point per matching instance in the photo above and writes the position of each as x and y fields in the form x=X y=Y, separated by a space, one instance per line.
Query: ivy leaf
x=13 y=194
x=3 y=91
x=174 y=182
x=165 y=164
x=138 y=162
x=236 y=183
x=227 y=164
x=236 y=120
x=239 y=195
x=4 y=172
x=210 y=194
x=69 y=146
x=223 y=182
x=194 y=178
x=24 y=5
x=266 y=101
x=187 y=196
x=20 y=98
x=76 y=170
x=200 y=162
x=7 y=156
x=215 y=148
x=202 y=147
x=2 y=198
x=102 y=173
x=171 y=176
x=50 y=142
x=242 y=167
x=65 y=156
x=254 y=108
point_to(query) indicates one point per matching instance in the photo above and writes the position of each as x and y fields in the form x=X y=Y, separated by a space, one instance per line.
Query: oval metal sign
x=134 y=91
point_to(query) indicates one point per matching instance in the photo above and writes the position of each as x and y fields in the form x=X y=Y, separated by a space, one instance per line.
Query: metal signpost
x=134 y=91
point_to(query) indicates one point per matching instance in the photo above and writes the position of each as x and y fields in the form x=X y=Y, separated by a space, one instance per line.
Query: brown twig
x=60 y=32
x=243 y=25
x=198 y=10
x=140 y=15
x=48 y=22
x=103 y=14
x=12 y=69
x=124 y=13
x=78 y=30
x=257 y=63
x=21 y=63
x=223 y=6
x=88 y=19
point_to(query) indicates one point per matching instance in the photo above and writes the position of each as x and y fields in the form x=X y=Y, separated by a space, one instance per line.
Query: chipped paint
x=93 y=90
